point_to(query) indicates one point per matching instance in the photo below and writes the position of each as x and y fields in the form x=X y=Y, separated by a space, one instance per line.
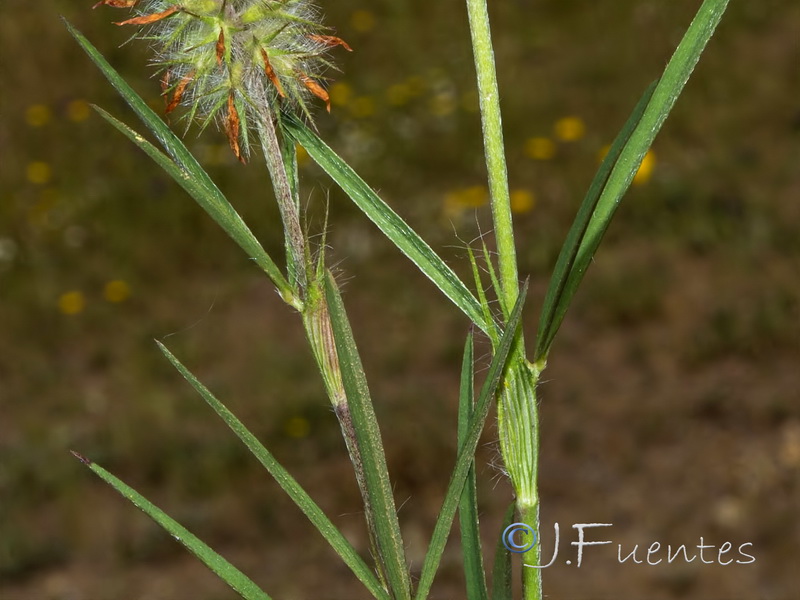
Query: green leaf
x=397 y=230
x=557 y=299
x=242 y=584
x=468 y=506
x=487 y=313
x=243 y=235
x=631 y=148
x=298 y=495
x=501 y=572
x=184 y=168
x=368 y=438
x=467 y=452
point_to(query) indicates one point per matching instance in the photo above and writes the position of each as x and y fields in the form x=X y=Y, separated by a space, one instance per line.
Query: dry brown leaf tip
x=330 y=40
x=117 y=3
x=147 y=19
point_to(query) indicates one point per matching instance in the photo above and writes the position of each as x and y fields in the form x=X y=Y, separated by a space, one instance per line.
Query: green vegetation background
x=671 y=403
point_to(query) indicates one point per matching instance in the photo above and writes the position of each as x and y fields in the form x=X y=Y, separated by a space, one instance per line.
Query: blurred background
x=670 y=405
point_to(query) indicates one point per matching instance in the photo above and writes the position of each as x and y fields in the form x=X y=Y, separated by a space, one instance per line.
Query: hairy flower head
x=235 y=61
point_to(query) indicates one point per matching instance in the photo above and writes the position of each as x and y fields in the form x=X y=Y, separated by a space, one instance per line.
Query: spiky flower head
x=235 y=61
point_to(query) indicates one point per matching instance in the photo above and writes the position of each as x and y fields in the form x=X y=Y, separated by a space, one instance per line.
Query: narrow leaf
x=627 y=163
x=555 y=297
x=487 y=313
x=467 y=452
x=468 y=506
x=242 y=584
x=501 y=572
x=298 y=495
x=397 y=230
x=206 y=193
x=368 y=438
x=183 y=179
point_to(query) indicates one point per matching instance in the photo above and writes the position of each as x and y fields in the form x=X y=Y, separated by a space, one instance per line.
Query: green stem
x=290 y=214
x=518 y=426
x=531 y=578
x=489 y=96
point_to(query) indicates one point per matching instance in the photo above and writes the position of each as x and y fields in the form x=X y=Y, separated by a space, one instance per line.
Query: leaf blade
x=205 y=192
x=389 y=222
x=237 y=580
x=664 y=95
x=368 y=438
x=468 y=505
x=501 y=570
x=298 y=495
x=467 y=451
x=182 y=178
x=555 y=297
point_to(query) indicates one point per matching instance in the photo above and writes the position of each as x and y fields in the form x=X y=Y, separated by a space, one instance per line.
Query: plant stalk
x=531 y=577
x=290 y=214
x=492 y=126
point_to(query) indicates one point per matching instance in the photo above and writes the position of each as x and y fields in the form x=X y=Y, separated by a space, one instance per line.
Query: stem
x=290 y=214
x=531 y=578
x=491 y=122
x=518 y=426
x=317 y=323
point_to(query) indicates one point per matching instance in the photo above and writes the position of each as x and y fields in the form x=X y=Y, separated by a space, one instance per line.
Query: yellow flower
x=38 y=172
x=645 y=169
x=457 y=201
x=416 y=85
x=540 y=148
x=570 y=129
x=78 y=110
x=341 y=94
x=71 y=303
x=116 y=291
x=601 y=154
x=297 y=427
x=398 y=94
x=522 y=201
x=363 y=21
x=474 y=196
x=442 y=104
x=362 y=107
x=302 y=156
x=37 y=115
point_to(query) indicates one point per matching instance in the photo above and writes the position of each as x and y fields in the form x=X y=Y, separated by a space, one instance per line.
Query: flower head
x=235 y=61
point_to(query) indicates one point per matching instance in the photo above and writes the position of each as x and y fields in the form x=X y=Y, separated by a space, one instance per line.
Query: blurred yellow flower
x=362 y=107
x=457 y=201
x=38 y=115
x=540 y=148
x=522 y=201
x=297 y=427
x=78 y=110
x=645 y=169
x=570 y=129
x=473 y=196
x=416 y=85
x=38 y=172
x=71 y=303
x=442 y=104
x=363 y=21
x=398 y=94
x=116 y=291
x=341 y=94
x=302 y=156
